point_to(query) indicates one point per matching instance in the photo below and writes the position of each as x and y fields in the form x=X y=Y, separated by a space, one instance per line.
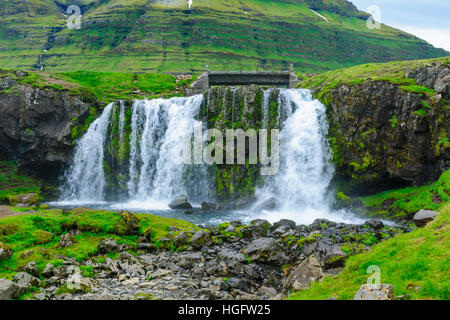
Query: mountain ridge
x=164 y=36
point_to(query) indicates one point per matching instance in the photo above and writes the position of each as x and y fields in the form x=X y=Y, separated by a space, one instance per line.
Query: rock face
x=423 y=217
x=375 y=292
x=36 y=126
x=383 y=133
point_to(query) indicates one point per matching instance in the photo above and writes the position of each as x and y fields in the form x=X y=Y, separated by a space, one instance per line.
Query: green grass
x=13 y=183
x=40 y=233
x=404 y=203
x=161 y=36
x=417 y=264
x=393 y=72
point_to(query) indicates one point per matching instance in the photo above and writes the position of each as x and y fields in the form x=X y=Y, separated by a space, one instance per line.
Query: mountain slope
x=162 y=35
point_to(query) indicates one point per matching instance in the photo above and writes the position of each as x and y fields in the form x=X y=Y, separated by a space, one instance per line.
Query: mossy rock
x=5 y=251
x=26 y=200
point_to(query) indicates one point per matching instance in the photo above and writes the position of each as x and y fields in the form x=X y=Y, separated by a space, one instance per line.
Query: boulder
x=375 y=292
x=308 y=272
x=107 y=246
x=146 y=247
x=48 y=270
x=181 y=239
x=257 y=228
x=375 y=224
x=180 y=202
x=269 y=205
x=330 y=255
x=209 y=206
x=284 y=223
x=5 y=252
x=200 y=239
x=8 y=289
x=67 y=240
x=423 y=217
x=31 y=268
x=266 y=250
x=24 y=281
x=24 y=200
x=131 y=223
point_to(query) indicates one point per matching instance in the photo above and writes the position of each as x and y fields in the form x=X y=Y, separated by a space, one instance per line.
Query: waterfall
x=300 y=187
x=158 y=128
x=86 y=179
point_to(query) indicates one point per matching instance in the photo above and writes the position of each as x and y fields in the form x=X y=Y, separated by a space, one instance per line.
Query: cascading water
x=157 y=131
x=150 y=175
x=86 y=179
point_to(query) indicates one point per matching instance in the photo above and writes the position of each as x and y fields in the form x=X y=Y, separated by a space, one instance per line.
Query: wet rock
x=375 y=224
x=423 y=217
x=107 y=246
x=308 y=272
x=200 y=239
x=5 y=252
x=209 y=206
x=375 y=292
x=284 y=223
x=269 y=205
x=266 y=250
x=180 y=202
x=8 y=289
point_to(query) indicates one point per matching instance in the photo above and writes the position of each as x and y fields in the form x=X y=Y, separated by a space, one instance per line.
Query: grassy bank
x=35 y=236
x=404 y=203
x=417 y=264
x=13 y=183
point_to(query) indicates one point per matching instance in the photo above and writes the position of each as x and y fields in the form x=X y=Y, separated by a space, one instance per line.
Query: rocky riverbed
x=229 y=261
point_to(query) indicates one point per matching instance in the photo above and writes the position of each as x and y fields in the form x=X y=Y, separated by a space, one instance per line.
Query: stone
x=257 y=228
x=150 y=247
x=268 y=291
x=24 y=200
x=375 y=292
x=180 y=202
x=8 y=289
x=25 y=281
x=268 y=205
x=107 y=246
x=31 y=268
x=375 y=224
x=48 y=271
x=266 y=250
x=67 y=240
x=200 y=239
x=423 y=217
x=308 y=272
x=5 y=252
x=181 y=239
x=230 y=229
x=330 y=256
x=209 y=206
x=284 y=223
x=131 y=223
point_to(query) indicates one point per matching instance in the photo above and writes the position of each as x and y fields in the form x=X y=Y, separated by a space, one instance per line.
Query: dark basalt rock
x=36 y=127
x=180 y=202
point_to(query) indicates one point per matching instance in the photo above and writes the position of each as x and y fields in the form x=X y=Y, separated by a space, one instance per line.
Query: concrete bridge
x=286 y=79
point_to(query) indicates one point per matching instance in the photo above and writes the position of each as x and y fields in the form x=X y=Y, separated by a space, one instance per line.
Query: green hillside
x=163 y=36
